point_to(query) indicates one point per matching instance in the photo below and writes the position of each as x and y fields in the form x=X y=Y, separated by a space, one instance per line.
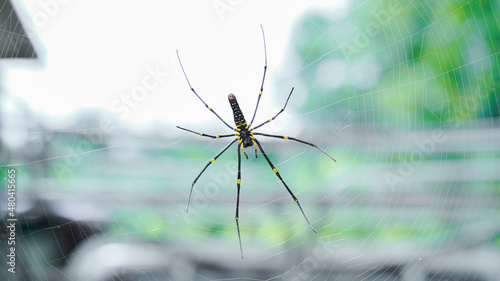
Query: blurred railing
x=397 y=205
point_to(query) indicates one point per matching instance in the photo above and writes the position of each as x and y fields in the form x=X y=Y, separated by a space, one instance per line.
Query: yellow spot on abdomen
x=274 y=170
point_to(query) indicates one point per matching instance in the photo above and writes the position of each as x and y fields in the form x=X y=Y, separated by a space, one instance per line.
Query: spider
x=245 y=136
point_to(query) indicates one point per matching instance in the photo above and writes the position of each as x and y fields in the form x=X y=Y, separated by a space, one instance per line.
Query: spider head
x=246 y=140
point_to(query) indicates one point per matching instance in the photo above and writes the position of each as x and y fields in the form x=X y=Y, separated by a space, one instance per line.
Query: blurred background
x=403 y=94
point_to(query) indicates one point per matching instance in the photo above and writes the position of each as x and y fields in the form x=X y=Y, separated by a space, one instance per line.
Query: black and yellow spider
x=245 y=136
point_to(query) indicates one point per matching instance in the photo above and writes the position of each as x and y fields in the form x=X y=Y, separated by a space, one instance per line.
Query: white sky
x=101 y=53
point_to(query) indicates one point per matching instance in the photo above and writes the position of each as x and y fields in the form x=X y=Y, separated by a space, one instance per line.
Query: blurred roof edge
x=17 y=31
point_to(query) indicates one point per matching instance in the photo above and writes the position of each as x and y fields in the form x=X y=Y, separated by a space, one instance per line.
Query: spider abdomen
x=239 y=119
x=241 y=123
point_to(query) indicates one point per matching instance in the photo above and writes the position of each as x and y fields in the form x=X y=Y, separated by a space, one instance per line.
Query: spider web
x=403 y=94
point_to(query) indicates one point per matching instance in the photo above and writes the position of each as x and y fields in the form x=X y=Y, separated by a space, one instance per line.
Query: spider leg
x=283 y=109
x=282 y=181
x=207 y=135
x=243 y=150
x=255 y=146
x=297 y=140
x=192 y=89
x=206 y=166
x=263 y=77
x=238 y=199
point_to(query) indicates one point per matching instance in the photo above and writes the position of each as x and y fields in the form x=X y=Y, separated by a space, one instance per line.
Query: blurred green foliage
x=404 y=63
